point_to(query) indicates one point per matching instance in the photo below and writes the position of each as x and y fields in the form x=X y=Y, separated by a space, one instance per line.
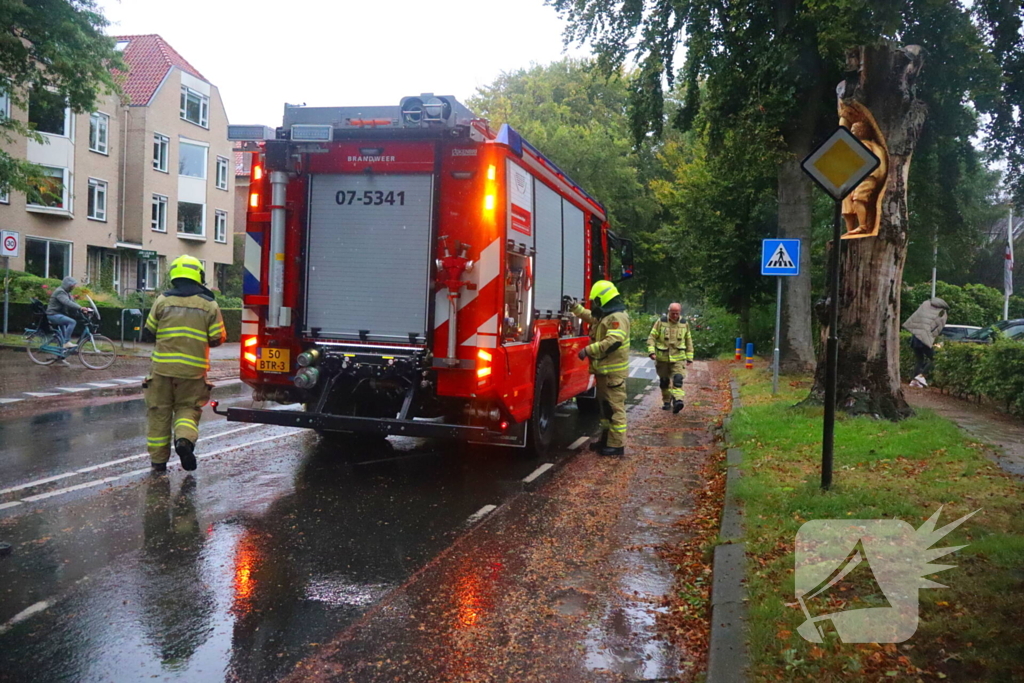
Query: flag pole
x=1008 y=266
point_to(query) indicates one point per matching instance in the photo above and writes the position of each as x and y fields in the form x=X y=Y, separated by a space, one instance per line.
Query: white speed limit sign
x=11 y=242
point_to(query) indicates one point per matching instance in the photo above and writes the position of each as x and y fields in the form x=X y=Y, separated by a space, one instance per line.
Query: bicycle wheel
x=35 y=343
x=97 y=352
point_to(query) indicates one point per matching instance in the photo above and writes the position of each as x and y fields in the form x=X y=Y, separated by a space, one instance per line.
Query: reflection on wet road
x=234 y=573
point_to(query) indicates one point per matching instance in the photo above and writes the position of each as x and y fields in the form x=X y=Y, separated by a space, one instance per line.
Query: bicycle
x=46 y=347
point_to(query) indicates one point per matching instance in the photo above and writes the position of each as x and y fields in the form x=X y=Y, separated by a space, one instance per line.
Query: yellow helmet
x=188 y=267
x=603 y=291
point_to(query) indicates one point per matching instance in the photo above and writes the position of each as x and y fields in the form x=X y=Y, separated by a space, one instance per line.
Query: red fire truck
x=410 y=271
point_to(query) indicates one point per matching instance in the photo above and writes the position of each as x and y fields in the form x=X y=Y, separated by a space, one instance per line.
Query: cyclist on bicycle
x=61 y=308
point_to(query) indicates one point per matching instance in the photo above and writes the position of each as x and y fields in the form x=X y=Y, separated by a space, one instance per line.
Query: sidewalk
x=981 y=422
x=600 y=575
x=23 y=380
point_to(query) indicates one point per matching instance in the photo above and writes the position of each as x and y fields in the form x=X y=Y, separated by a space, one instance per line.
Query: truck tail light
x=247 y=344
x=254 y=200
x=484 y=369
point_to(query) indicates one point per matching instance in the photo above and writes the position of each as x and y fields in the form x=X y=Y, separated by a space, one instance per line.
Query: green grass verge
x=972 y=630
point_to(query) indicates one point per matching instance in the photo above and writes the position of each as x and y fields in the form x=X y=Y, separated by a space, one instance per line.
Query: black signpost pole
x=831 y=353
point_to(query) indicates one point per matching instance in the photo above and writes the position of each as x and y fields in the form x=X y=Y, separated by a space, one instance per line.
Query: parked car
x=957 y=332
x=1013 y=329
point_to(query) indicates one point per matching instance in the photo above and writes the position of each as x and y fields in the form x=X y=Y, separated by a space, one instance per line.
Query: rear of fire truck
x=391 y=259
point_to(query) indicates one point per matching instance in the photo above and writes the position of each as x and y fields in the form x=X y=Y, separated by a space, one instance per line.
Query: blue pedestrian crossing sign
x=780 y=257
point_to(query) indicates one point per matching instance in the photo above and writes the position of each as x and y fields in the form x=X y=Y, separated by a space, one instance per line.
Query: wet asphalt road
x=279 y=541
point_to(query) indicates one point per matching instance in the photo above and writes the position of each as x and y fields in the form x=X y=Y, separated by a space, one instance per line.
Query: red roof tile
x=149 y=58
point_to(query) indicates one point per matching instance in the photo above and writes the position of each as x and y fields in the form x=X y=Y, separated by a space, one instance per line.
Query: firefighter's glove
x=583 y=353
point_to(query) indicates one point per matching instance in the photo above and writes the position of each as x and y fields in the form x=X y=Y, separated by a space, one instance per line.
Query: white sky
x=347 y=52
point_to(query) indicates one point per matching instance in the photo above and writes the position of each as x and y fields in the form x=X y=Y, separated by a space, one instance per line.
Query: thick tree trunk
x=796 y=346
x=871 y=268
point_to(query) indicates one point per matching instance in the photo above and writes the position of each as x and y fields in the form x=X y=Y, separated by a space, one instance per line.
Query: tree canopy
x=50 y=49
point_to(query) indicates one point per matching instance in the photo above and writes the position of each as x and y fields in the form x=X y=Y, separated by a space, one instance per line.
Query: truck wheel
x=545 y=398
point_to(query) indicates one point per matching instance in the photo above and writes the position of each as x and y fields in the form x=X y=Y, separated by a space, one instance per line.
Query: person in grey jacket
x=62 y=307
x=925 y=325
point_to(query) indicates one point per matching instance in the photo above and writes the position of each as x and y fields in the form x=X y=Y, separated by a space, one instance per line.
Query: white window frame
x=99 y=122
x=201 y=236
x=204 y=107
x=5 y=197
x=152 y=266
x=160 y=224
x=71 y=254
x=160 y=161
x=65 y=200
x=206 y=158
x=222 y=173
x=220 y=226
x=5 y=105
x=69 y=125
x=97 y=187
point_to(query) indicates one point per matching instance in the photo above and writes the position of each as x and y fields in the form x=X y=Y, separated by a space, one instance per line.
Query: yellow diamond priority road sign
x=840 y=163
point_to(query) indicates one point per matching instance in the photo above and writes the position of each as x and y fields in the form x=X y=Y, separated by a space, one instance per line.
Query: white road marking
x=578 y=442
x=101 y=385
x=72 y=390
x=39 y=394
x=481 y=513
x=37 y=482
x=537 y=472
x=23 y=615
x=126 y=380
x=13 y=503
x=68 y=489
x=10 y=400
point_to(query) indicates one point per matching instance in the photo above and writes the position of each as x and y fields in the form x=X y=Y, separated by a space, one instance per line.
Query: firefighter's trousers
x=670 y=377
x=173 y=405
x=611 y=395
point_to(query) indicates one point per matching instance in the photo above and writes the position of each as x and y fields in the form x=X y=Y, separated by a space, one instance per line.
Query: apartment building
x=135 y=183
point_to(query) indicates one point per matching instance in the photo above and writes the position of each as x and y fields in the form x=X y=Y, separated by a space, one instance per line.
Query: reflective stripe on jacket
x=185 y=327
x=670 y=341
x=609 y=347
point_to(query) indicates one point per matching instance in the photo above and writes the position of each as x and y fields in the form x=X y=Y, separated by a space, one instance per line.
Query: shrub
x=714 y=332
x=1000 y=374
x=956 y=366
x=968 y=305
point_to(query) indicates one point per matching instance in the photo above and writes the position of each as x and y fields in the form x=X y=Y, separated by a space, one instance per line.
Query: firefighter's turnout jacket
x=187 y=322
x=670 y=341
x=609 y=335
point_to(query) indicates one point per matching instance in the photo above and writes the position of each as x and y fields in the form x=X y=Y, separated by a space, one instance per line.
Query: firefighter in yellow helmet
x=670 y=346
x=609 y=361
x=186 y=322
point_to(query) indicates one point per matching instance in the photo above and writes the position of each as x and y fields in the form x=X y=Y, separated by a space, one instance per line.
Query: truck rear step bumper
x=364 y=425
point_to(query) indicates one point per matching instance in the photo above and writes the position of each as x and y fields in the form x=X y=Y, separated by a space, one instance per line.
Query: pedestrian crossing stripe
x=781 y=258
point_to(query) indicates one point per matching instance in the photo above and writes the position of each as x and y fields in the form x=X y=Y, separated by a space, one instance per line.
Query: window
x=160 y=145
x=5 y=197
x=46 y=258
x=191 y=160
x=99 y=128
x=220 y=226
x=49 y=112
x=159 y=220
x=97 y=199
x=51 y=189
x=222 y=173
x=195 y=107
x=5 y=105
x=190 y=219
x=149 y=273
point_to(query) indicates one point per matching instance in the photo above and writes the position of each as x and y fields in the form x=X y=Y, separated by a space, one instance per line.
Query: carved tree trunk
x=871 y=269
x=796 y=345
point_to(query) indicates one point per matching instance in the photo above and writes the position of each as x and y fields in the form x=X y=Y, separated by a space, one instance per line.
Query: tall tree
x=577 y=115
x=51 y=49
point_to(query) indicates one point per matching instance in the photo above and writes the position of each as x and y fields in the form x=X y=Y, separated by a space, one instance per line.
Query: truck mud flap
x=365 y=425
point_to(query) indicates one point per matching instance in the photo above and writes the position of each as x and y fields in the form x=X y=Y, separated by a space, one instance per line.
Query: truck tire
x=541 y=429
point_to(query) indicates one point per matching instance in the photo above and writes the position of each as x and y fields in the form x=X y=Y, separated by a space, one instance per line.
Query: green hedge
x=994 y=371
x=968 y=305
x=20 y=316
x=714 y=333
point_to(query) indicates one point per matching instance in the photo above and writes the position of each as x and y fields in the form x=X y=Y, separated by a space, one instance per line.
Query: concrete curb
x=728 y=658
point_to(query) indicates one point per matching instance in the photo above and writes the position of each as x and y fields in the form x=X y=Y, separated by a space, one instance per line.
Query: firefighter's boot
x=159 y=467
x=600 y=443
x=667 y=405
x=186 y=453
x=677 y=405
x=612 y=451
